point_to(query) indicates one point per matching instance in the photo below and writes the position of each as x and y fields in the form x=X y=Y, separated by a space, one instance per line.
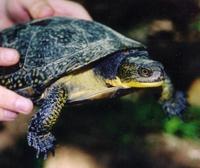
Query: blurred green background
x=131 y=131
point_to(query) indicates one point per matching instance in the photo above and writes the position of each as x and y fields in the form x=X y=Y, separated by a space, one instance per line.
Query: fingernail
x=10 y=115
x=24 y=105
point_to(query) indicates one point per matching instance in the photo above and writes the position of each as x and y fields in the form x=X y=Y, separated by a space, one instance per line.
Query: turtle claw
x=176 y=106
x=42 y=143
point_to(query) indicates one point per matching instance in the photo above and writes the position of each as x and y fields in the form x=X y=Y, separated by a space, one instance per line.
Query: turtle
x=67 y=61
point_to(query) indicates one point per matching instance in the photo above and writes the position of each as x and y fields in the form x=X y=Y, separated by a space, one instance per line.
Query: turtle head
x=136 y=70
x=139 y=72
x=142 y=72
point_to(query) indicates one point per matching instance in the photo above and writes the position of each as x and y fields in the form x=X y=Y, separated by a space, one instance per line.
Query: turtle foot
x=176 y=106
x=42 y=143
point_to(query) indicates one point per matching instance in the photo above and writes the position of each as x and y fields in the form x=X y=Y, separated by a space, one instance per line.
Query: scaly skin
x=172 y=103
x=39 y=135
x=53 y=48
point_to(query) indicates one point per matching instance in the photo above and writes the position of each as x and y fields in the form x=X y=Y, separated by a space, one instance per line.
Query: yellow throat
x=133 y=84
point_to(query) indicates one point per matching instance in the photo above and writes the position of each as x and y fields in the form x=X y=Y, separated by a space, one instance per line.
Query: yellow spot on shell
x=20 y=85
x=36 y=80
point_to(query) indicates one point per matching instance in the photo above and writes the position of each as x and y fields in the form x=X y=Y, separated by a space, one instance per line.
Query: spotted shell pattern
x=53 y=47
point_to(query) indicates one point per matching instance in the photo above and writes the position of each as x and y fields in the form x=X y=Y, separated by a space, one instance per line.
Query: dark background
x=114 y=132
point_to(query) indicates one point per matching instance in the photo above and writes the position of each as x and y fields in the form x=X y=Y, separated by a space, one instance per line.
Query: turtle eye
x=144 y=72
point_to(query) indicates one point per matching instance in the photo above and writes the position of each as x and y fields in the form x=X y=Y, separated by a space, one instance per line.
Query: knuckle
x=35 y=8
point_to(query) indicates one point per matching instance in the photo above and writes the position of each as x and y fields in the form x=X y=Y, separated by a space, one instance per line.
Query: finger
x=5 y=23
x=14 y=102
x=6 y=115
x=8 y=56
x=16 y=12
x=69 y=8
x=38 y=8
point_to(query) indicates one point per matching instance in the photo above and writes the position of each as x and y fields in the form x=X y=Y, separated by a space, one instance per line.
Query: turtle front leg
x=173 y=104
x=39 y=135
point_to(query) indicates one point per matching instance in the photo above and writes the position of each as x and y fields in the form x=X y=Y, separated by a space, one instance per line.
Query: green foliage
x=39 y=163
x=196 y=25
x=148 y=117
x=180 y=128
x=124 y=121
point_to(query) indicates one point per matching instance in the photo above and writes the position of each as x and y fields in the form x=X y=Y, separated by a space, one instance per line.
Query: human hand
x=17 y=11
x=11 y=104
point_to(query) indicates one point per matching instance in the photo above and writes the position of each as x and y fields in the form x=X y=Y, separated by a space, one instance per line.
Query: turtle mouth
x=135 y=84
